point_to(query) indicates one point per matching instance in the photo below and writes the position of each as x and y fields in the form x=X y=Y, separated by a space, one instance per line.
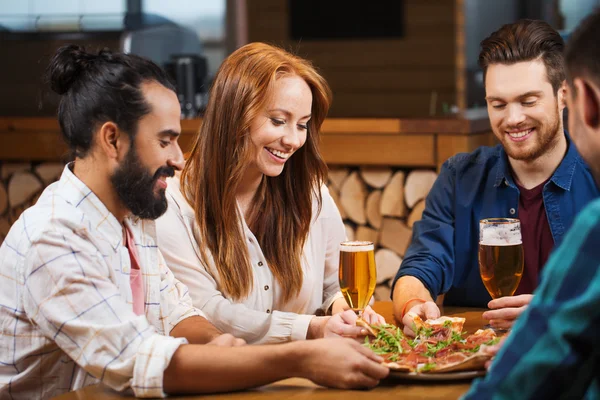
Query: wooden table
x=297 y=388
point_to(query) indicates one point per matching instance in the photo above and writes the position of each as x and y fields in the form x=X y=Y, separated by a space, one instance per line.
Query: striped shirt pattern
x=553 y=351
x=66 y=315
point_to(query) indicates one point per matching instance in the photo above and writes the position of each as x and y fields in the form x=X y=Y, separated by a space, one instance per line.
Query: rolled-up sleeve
x=69 y=295
x=430 y=256
x=175 y=298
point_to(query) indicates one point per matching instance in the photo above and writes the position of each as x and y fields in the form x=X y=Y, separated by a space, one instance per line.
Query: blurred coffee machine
x=189 y=72
x=28 y=50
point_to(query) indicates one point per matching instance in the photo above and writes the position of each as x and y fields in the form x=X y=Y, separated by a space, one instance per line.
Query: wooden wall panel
x=376 y=78
x=385 y=103
x=395 y=150
x=390 y=78
x=24 y=92
x=449 y=145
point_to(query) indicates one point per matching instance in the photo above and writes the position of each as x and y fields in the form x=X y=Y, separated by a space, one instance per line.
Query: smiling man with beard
x=86 y=296
x=535 y=175
x=135 y=186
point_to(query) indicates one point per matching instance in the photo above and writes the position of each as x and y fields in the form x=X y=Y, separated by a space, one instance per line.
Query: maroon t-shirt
x=536 y=235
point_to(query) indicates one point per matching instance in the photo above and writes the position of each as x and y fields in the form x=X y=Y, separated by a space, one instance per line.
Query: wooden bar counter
x=345 y=141
x=296 y=388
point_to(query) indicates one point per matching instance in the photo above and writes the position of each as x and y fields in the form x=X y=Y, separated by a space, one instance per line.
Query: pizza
x=439 y=346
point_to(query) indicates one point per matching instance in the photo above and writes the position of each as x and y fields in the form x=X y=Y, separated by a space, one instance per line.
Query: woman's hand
x=344 y=323
x=371 y=317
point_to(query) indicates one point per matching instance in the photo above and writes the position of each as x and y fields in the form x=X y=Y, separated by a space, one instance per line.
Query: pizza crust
x=456 y=323
x=363 y=324
x=398 y=367
x=475 y=362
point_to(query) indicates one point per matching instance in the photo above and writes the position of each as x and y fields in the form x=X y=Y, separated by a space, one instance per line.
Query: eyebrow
x=289 y=114
x=169 y=132
x=536 y=93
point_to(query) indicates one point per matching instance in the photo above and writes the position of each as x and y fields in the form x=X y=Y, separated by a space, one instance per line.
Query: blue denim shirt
x=472 y=186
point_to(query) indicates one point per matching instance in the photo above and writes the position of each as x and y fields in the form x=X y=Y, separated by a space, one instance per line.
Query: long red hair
x=281 y=211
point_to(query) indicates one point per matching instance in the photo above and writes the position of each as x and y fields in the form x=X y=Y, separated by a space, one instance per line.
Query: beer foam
x=497 y=243
x=356 y=246
x=500 y=235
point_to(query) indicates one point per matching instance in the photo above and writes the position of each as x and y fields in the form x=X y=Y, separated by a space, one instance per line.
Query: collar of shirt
x=562 y=177
x=74 y=191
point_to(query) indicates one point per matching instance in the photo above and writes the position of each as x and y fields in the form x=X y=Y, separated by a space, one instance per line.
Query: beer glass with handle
x=358 y=274
x=500 y=255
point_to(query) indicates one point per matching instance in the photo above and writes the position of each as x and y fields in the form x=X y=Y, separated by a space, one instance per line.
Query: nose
x=515 y=115
x=292 y=139
x=176 y=160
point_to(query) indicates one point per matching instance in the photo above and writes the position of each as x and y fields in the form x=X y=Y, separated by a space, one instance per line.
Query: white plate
x=448 y=376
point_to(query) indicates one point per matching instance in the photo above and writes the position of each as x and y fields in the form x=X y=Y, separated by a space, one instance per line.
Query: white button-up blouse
x=262 y=317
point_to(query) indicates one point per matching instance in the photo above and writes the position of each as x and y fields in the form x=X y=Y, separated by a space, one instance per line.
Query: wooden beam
x=350 y=141
x=396 y=150
x=449 y=145
x=360 y=126
x=32 y=146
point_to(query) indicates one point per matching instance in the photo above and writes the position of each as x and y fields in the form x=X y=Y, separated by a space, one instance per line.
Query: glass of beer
x=500 y=255
x=358 y=275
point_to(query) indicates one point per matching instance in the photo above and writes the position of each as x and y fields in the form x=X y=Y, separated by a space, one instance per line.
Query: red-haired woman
x=251 y=229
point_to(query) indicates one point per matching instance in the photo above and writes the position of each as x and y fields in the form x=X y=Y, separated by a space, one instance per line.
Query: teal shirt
x=553 y=351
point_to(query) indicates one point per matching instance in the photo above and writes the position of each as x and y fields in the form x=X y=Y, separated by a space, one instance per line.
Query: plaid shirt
x=66 y=316
x=553 y=351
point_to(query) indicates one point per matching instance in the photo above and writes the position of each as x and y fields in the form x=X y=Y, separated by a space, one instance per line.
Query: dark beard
x=134 y=185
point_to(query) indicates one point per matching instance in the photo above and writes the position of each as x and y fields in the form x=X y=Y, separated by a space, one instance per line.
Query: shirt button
x=260 y=264
x=268 y=311
x=266 y=287
x=512 y=211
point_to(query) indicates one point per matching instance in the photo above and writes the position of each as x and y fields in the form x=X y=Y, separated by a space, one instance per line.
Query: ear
x=588 y=101
x=562 y=96
x=112 y=141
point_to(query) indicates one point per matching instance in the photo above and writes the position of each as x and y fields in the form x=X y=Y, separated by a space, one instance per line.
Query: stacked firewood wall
x=377 y=204
x=381 y=204
x=20 y=186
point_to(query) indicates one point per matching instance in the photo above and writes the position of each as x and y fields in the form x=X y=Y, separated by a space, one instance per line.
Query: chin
x=272 y=172
x=523 y=154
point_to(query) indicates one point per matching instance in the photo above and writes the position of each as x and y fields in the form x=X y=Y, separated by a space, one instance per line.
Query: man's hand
x=341 y=363
x=226 y=340
x=492 y=351
x=505 y=310
x=427 y=310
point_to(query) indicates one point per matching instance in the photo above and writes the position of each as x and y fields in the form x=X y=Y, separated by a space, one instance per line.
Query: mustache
x=164 y=171
x=525 y=124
